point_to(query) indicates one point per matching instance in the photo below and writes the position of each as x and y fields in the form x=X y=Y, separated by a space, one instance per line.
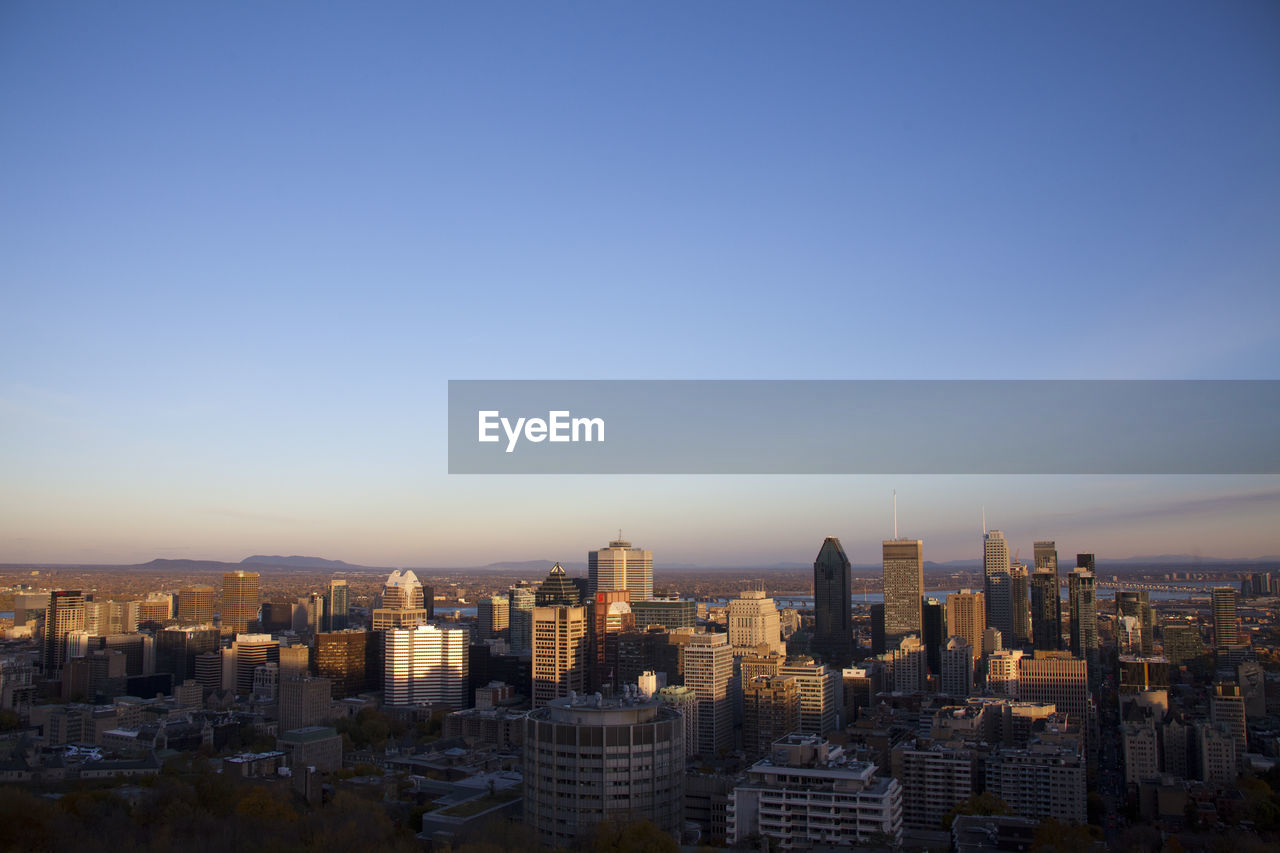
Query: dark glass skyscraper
x=935 y=633
x=1046 y=610
x=833 y=604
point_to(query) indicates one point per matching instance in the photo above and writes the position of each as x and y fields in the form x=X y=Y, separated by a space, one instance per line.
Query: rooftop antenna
x=895 y=513
x=984 y=520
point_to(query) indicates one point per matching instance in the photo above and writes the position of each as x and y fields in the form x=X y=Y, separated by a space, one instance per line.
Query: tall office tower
x=1227 y=709
x=753 y=621
x=65 y=615
x=247 y=653
x=304 y=702
x=1088 y=562
x=349 y=659
x=153 y=611
x=620 y=566
x=620 y=759
x=967 y=618
x=1056 y=677
x=1084 y=614
x=1226 y=631
x=195 y=605
x=1137 y=604
x=177 y=648
x=556 y=590
x=308 y=614
x=957 y=668
x=403 y=591
x=935 y=633
x=493 y=616
x=910 y=666
x=1046 y=560
x=685 y=701
x=833 y=605
x=1182 y=641
x=995 y=569
x=239 y=601
x=559 y=652
x=770 y=712
x=608 y=616
x=821 y=694
x=1019 y=589
x=520 y=603
x=1046 y=610
x=426 y=665
x=708 y=669
x=878 y=645
x=337 y=606
x=1046 y=556
x=903 y=564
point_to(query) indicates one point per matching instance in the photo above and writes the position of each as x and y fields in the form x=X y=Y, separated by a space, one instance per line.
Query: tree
x=638 y=836
x=985 y=803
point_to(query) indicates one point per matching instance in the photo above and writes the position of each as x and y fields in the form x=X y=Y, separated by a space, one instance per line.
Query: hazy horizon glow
x=246 y=246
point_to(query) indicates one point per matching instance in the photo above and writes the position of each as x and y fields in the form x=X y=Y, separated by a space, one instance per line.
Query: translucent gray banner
x=864 y=427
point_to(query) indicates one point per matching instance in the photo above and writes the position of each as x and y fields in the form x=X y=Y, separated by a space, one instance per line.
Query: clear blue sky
x=244 y=246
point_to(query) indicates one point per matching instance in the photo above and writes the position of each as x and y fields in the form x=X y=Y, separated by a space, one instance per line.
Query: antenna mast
x=984 y=520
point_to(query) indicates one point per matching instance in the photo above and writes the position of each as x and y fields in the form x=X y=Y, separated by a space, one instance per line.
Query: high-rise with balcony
x=833 y=605
x=998 y=589
x=493 y=616
x=1226 y=631
x=903 y=562
x=621 y=566
x=239 y=601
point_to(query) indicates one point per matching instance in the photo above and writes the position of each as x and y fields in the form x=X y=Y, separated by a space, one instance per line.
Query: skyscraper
x=195 y=605
x=608 y=616
x=493 y=616
x=426 y=665
x=935 y=633
x=1226 y=633
x=753 y=620
x=239 y=601
x=967 y=618
x=1046 y=610
x=521 y=601
x=1019 y=595
x=349 y=659
x=64 y=615
x=403 y=591
x=1084 y=615
x=1137 y=604
x=708 y=669
x=557 y=590
x=1087 y=562
x=559 y=652
x=998 y=589
x=770 y=711
x=337 y=605
x=833 y=605
x=903 y=588
x=621 y=566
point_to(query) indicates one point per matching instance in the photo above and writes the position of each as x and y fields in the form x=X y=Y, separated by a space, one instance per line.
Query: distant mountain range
x=263 y=562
